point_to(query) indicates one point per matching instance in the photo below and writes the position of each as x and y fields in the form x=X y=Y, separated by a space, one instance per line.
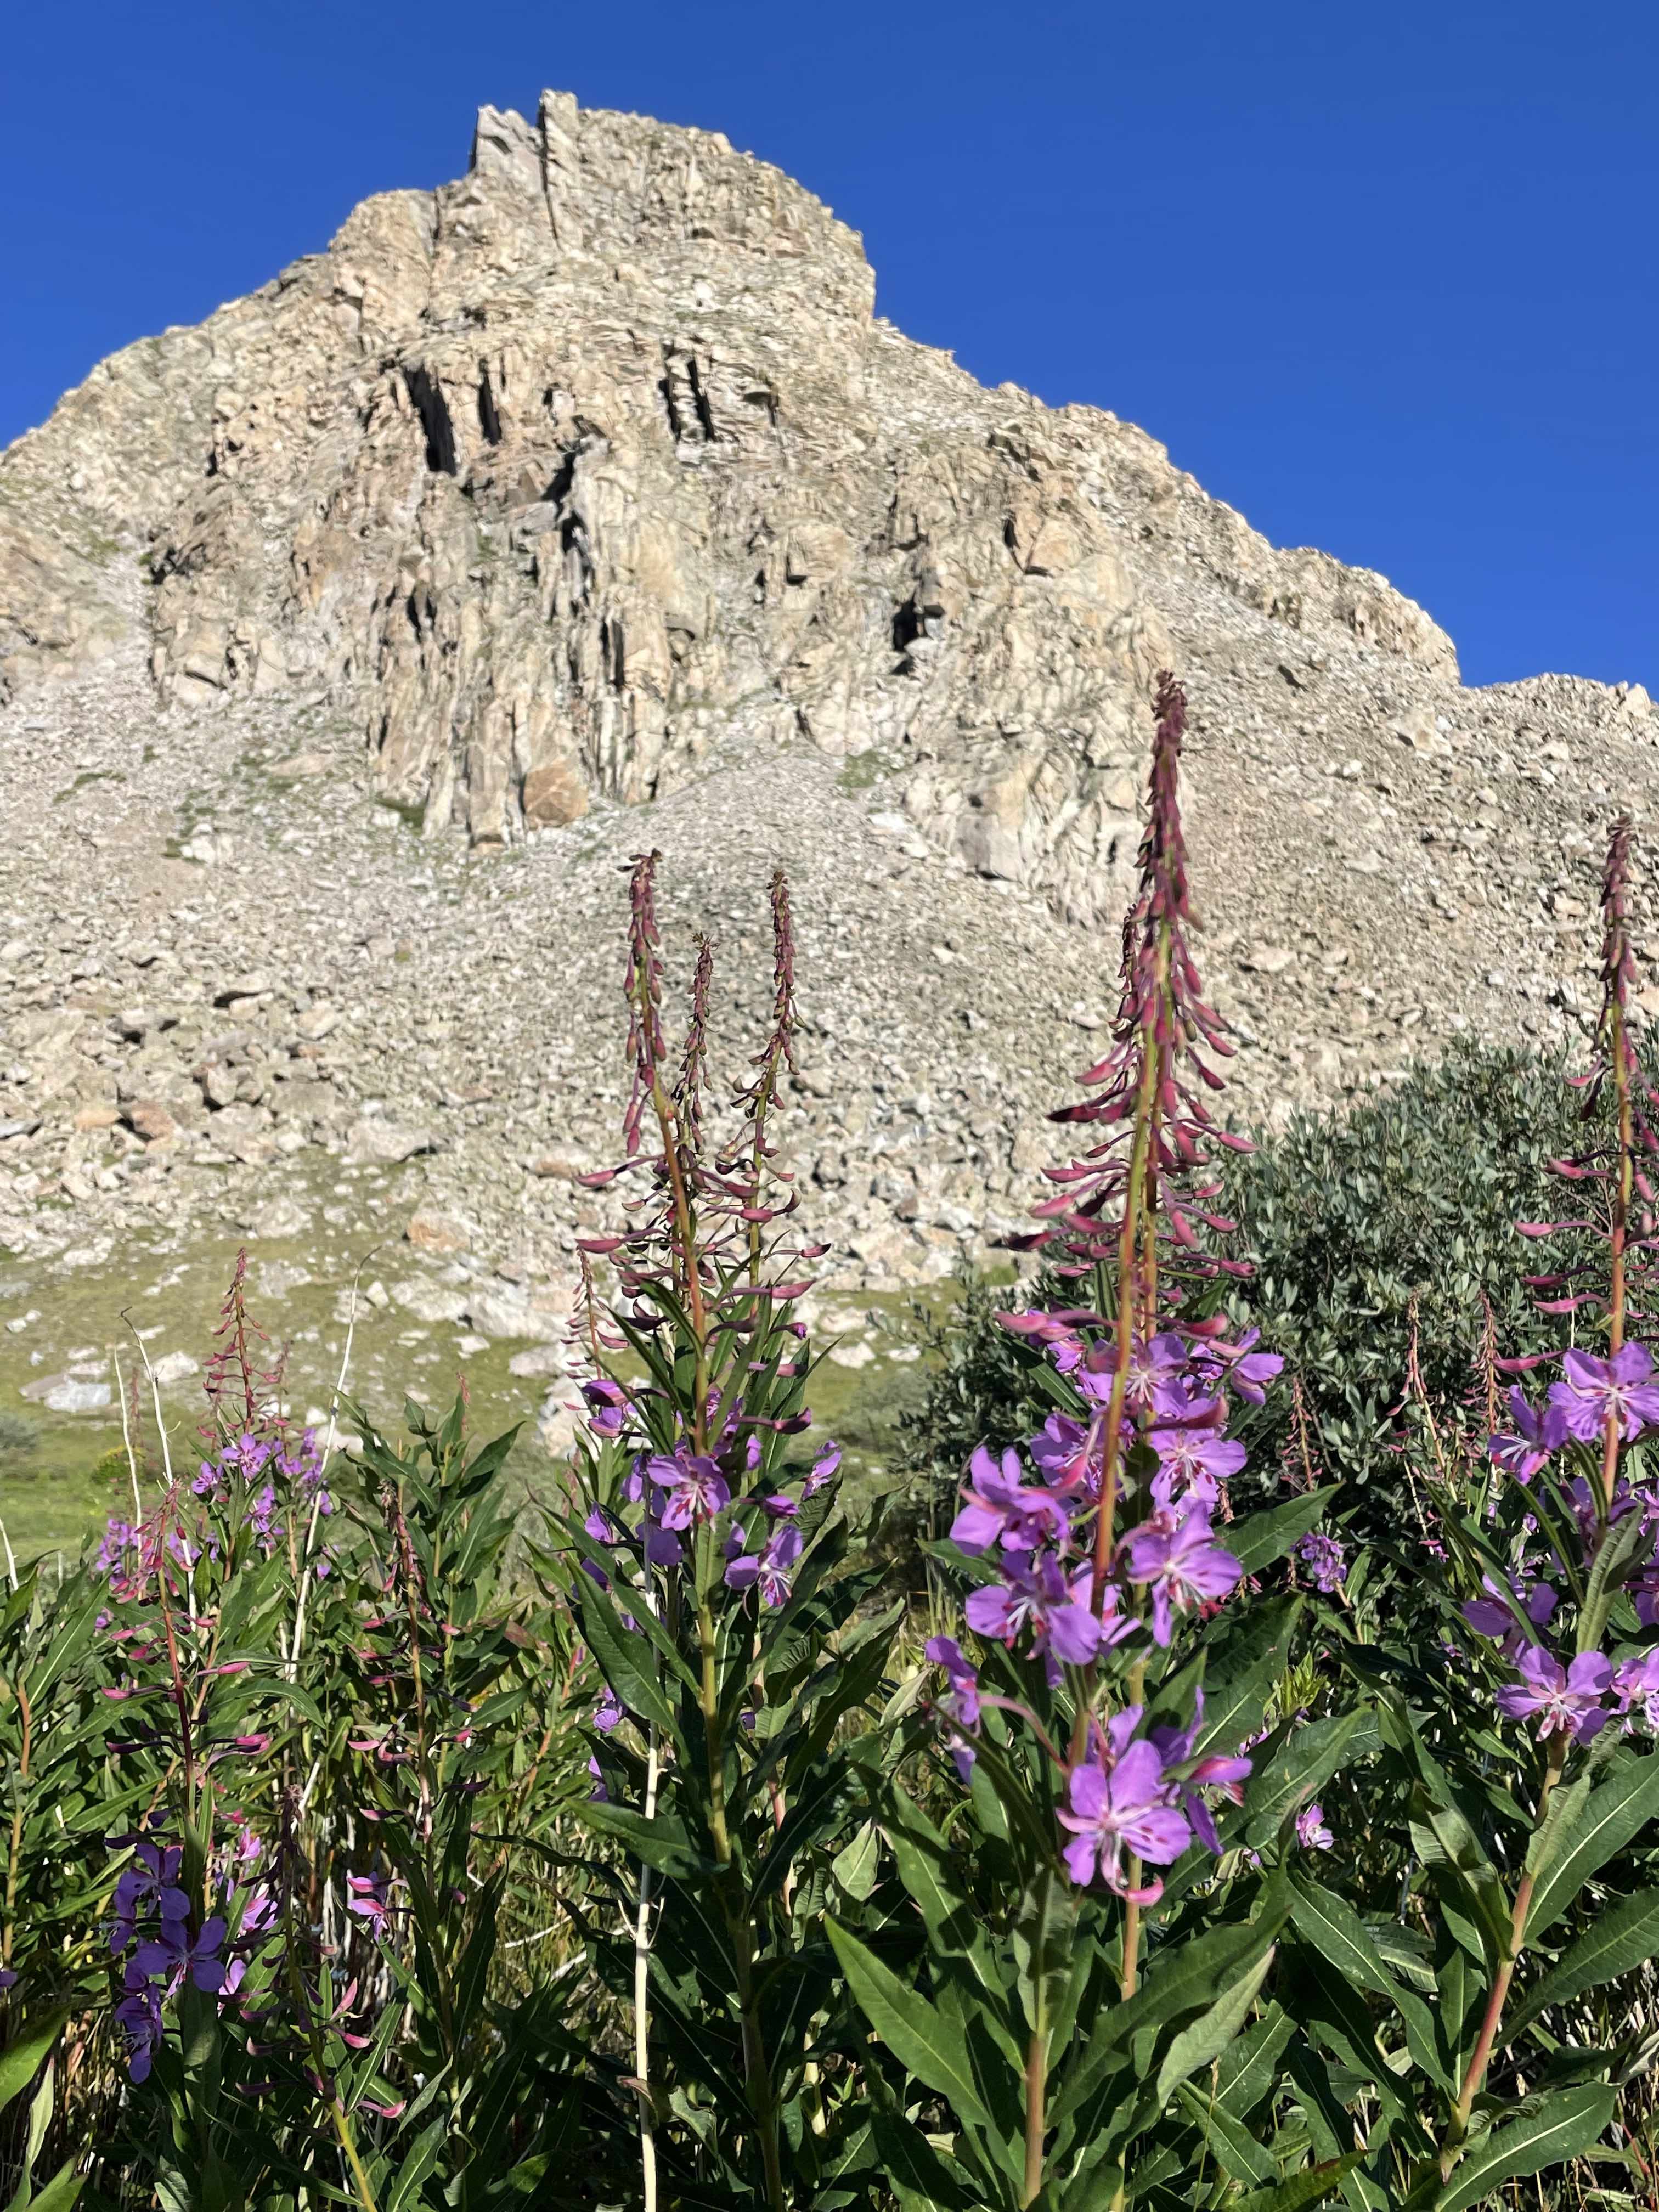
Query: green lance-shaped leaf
x=61 y=2193
x=1612 y=1815
x=1559 y=2130
x=1311 y=2186
x=21 y=2061
x=422 y=2161
x=1619 y=1939
x=661 y=1842
x=1302 y=1768
x=854 y=1865
x=624 y=1663
x=1259 y=1539
x=1208 y=2036
x=917 y=2033
x=1192 y=1980
x=914 y=2171
x=1230 y=2143
x=1330 y=1923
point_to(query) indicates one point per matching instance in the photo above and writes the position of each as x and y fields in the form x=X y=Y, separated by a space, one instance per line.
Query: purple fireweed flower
x=598 y=1794
x=1311 y=1830
x=1245 y=1370
x=1181 y=1564
x=607 y=1406
x=696 y=1489
x=959 y=1707
x=174 y=1953
x=1636 y=1688
x=999 y=1508
x=824 y=1468
x=1040 y=1598
x=768 y=1571
x=1537 y=1434
x=1119 y=1801
x=1061 y=1452
x=1226 y=1777
x=1194 y=1462
x=1566 y=1701
x=1326 y=1561
x=138 y=2015
x=1644 y=1594
x=1593 y=1391
x=1491 y=1616
x=1154 y=1363
x=366 y=1898
x=608 y=1712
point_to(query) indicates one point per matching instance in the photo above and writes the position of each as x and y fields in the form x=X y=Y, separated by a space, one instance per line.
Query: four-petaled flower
x=1119 y=1801
x=1311 y=1831
x=1039 y=1598
x=1567 y=1700
x=1594 y=1392
x=1181 y=1564
x=696 y=1490
x=999 y=1507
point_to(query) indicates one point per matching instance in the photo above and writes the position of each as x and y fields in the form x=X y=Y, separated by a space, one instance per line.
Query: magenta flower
x=1118 y=1801
x=1061 y=1451
x=1537 y=1434
x=1566 y=1702
x=1325 y=1560
x=1181 y=1564
x=824 y=1468
x=1636 y=1687
x=959 y=1707
x=1593 y=1391
x=138 y=2015
x=696 y=1489
x=1155 y=1363
x=1311 y=1830
x=368 y=1898
x=1038 y=1598
x=1226 y=1777
x=770 y=1570
x=999 y=1508
x=1194 y=1460
x=1491 y=1616
x=1247 y=1371
x=607 y=1406
x=174 y=1953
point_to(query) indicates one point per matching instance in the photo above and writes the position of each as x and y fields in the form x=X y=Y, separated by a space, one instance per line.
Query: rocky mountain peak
x=564 y=477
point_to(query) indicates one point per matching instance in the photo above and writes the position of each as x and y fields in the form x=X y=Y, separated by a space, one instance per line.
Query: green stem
x=1481 y=2058
x=758 y=2085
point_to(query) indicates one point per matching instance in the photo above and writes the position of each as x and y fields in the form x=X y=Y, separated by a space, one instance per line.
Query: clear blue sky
x=1383 y=277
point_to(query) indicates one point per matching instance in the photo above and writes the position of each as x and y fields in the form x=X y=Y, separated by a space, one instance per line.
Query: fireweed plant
x=705 y=1568
x=312 y=1741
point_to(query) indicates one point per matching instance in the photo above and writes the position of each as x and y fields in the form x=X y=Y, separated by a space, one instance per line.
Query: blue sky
x=1382 y=278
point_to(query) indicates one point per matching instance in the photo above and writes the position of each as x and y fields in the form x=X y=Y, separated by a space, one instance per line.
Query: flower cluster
x=1132 y=1794
x=1556 y=1451
x=166 y=1941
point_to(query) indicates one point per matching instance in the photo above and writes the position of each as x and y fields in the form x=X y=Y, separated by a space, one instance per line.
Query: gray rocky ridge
x=585 y=503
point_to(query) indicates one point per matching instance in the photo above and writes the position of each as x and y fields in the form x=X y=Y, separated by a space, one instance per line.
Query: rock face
x=557 y=479
x=583 y=505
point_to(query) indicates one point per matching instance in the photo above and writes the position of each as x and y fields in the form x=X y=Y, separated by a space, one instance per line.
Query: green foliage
x=1391 y=1223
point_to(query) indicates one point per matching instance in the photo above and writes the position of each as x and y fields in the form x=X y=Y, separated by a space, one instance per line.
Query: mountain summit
x=562 y=475
x=585 y=503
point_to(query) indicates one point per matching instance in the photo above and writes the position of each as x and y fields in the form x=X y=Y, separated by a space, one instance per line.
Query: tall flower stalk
x=701 y=1527
x=1083 y=1618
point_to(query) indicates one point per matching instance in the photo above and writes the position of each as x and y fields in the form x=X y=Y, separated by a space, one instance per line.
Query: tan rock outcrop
x=561 y=477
